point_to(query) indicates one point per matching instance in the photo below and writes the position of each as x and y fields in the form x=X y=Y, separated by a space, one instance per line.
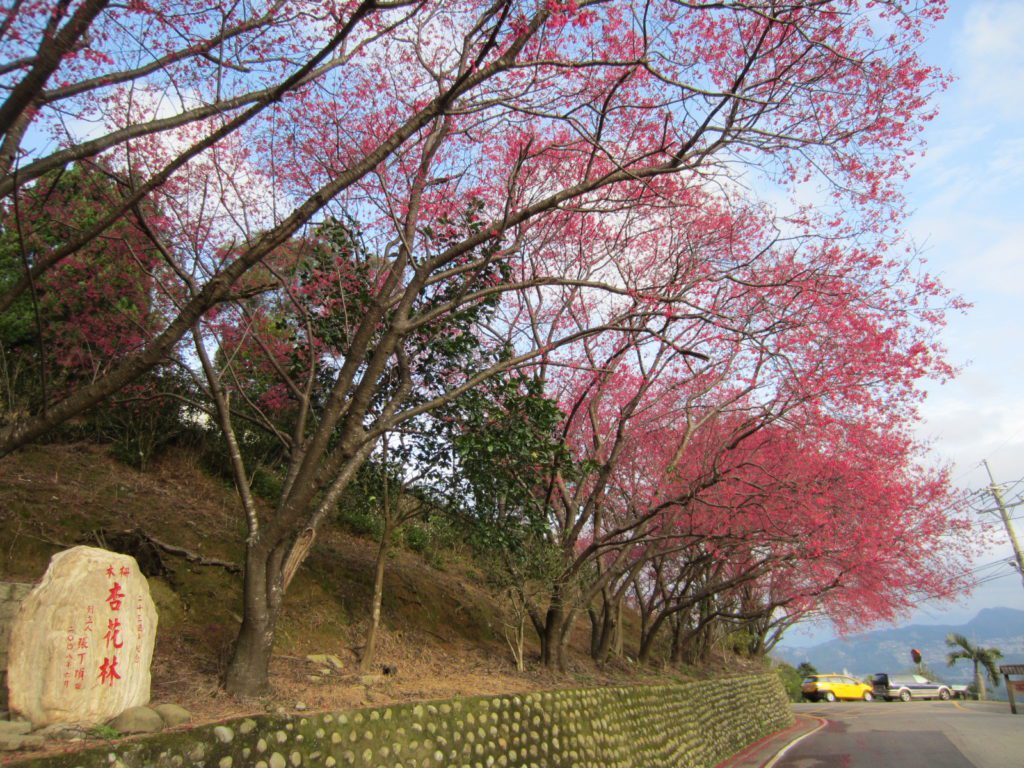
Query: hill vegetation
x=527 y=288
x=444 y=627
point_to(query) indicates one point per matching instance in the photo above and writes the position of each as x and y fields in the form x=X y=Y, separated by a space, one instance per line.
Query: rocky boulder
x=82 y=642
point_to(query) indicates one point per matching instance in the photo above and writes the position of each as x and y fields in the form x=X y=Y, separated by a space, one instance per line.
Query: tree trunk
x=979 y=682
x=563 y=640
x=517 y=641
x=705 y=636
x=609 y=617
x=551 y=630
x=595 y=630
x=550 y=639
x=757 y=644
x=676 y=654
x=378 y=599
x=647 y=639
x=645 y=609
x=248 y=672
x=619 y=634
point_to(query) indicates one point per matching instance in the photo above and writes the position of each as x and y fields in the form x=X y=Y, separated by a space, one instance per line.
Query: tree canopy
x=660 y=239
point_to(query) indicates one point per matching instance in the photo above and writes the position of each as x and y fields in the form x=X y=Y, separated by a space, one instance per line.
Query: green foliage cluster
x=806 y=669
x=361 y=521
x=791 y=680
x=741 y=642
x=85 y=313
x=417 y=538
x=506 y=436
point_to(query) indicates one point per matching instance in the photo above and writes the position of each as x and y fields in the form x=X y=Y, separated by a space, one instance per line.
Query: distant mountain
x=888 y=650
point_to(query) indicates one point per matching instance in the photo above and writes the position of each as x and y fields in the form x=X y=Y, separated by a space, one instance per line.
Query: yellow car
x=832 y=687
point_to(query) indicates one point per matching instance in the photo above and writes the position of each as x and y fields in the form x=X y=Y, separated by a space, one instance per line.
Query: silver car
x=907 y=687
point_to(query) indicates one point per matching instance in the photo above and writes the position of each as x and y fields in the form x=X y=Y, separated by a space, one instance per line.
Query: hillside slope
x=443 y=628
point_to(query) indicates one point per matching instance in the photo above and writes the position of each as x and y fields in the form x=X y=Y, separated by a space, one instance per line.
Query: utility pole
x=997 y=494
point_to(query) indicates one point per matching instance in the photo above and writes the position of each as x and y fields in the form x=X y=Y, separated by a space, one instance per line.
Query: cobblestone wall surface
x=687 y=725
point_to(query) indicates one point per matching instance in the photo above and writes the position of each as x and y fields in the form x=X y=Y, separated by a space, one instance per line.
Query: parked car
x=832 y=687
x=907 y=687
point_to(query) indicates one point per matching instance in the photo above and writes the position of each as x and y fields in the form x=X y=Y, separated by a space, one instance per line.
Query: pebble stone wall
x=684 y=725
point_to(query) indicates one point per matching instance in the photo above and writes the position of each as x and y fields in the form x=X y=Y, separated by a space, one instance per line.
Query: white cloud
x=991 y=58
x=974 y=421
x=981 y=256
x=972 y=163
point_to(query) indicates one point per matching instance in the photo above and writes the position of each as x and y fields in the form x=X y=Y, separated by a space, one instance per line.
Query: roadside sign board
x=1013 y=686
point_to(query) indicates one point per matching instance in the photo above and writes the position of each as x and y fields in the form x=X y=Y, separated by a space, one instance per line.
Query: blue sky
x=967 y=198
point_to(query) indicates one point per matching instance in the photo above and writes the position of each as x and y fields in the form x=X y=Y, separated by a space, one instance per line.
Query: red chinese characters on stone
x=82 y=646
x=113 y=635
x=115 y=597
x=113 y=640
x=69 y=657
x=108 y=670
x=76 y=649
x=139 y=628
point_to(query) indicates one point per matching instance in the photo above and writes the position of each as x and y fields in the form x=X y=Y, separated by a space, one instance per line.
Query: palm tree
x=982 y=657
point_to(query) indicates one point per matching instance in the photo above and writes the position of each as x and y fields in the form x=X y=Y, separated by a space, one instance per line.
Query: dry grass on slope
x=443 y=630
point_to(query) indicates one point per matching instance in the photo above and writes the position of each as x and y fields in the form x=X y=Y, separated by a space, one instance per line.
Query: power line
x=987 y=579
x=993 y=564
x=1015 y=484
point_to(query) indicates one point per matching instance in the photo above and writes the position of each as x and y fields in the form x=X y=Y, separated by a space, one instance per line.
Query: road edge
x=765 y=752
x=822 y=722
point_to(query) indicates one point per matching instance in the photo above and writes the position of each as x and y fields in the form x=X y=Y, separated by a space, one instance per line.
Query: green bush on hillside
x=791 y=680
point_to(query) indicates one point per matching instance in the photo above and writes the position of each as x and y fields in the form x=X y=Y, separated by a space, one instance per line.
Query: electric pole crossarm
x=997 y=494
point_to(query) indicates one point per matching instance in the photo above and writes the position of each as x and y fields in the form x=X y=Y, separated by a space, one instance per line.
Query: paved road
x=917 y=734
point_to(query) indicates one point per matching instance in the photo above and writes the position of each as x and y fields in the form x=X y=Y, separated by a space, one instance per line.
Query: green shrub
x=101 y=731
x=446 y=531
x=417 y=538
x=266 y=484
x=791 y=680
x=362 y=521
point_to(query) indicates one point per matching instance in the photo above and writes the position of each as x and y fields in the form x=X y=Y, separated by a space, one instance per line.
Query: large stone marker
x=82 y=642
x=11 y=595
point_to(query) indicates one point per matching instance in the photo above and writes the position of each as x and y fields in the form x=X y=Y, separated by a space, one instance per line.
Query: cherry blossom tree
x=83 y=317
x=797 y=339
x=850 y=527
x=551 y=153
x=384 y=104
